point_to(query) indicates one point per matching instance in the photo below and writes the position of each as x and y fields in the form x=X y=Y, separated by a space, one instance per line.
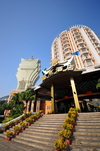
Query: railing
x=2 y=124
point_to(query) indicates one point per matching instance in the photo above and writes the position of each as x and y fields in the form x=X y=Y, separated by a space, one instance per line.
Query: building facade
x=78 y=38
x=28 y=73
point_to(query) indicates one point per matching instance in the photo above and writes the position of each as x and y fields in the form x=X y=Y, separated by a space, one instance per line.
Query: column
x=35 y=102
x=32 y=106
x=52 y=98
x=28 y=104
x=74 y=93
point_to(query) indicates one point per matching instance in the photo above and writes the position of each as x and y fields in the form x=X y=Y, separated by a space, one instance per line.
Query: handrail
x=2 y=124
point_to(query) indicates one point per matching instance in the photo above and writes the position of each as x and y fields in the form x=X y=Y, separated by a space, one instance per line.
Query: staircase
x=42 y=134
x=86 y=136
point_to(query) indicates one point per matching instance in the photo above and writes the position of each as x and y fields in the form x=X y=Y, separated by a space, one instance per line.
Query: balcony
x=76 y=34
x=88 y=31
x=76 y=31
x=94 y=41
x=85 y=52
x=92 y=37
x=82 y=47
x=97 y=46
x=87 y=58
x=80 y=42
x=78 y=39
x=67 y=57
x=67 y=47
x=67 y=52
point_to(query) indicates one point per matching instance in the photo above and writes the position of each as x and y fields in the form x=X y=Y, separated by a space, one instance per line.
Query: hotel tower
x=78 y=38
x=28 y=73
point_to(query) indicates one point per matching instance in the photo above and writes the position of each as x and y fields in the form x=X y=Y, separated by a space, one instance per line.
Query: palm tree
x=27 y=96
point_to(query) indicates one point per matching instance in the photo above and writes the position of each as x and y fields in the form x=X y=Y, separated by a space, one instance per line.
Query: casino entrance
x=69 y=88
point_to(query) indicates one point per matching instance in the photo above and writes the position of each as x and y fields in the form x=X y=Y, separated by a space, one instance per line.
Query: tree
x=27 y=95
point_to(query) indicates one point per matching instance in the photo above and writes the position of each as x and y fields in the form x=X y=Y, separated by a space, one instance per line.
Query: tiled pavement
x=14 y=146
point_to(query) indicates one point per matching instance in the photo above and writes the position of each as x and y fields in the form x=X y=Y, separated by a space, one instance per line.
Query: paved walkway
x=14 y=146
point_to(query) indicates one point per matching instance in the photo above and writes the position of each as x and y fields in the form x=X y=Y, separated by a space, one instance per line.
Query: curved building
x=78 y=38
x=28 y=73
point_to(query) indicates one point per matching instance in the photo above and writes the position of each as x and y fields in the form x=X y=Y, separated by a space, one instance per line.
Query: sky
x=28 y=28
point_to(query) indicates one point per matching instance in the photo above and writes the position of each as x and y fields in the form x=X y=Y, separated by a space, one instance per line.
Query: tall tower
x=78 y=38
x=28 y=73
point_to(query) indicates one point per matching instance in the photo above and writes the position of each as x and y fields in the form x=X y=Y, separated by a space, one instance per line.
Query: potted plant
x=66 y=135
x=37 y=115
x=22 y=124
x=16 y=129
x=9 y=135
x=29 y=121
x=11 y=124
x=29 y=114
x=21 y=119
x=16 y=121
x=60 y=144
x=33 y=117
x=69 y=120
x=41 y=112
x=68 y=127
x=78 y=110
x=5 y=127
x=25 y=116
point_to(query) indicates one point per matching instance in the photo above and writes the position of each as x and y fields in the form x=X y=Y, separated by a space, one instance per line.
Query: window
x=68 y=56
x=89 y=63
x=86 y=56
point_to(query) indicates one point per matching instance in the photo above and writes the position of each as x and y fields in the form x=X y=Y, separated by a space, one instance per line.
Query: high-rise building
x=78 y=38
x=28 y=73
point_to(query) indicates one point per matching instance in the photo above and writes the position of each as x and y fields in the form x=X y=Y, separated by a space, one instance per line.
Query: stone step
x=39 y=140
x=89 y=113
x=87 y=137
x=42 y=146
x=87 y=126
x=42 y=127
x=42 y=130
x=88 y=119
x=39 y=136
x=49 y=121
x=48 y=125
x=64 y=114
x=97 y=130
x=87 y=123
x=85 y=142
x=83 y=148
x=15 y=146
x=88 y=133
x=2 y=135
x=40 y=133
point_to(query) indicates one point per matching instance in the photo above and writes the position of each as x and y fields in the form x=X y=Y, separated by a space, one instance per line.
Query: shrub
x=41 y=111
x=69 y=120
x=29 y=120
x=65 y=133
x=33 y=116
x=67 y=126
x=5 y=126
x=9 y=133
x=60 y=144
x=16 y=120
x=7 y=120
x=16 y=128
x=22 y=124
x=11 y=123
